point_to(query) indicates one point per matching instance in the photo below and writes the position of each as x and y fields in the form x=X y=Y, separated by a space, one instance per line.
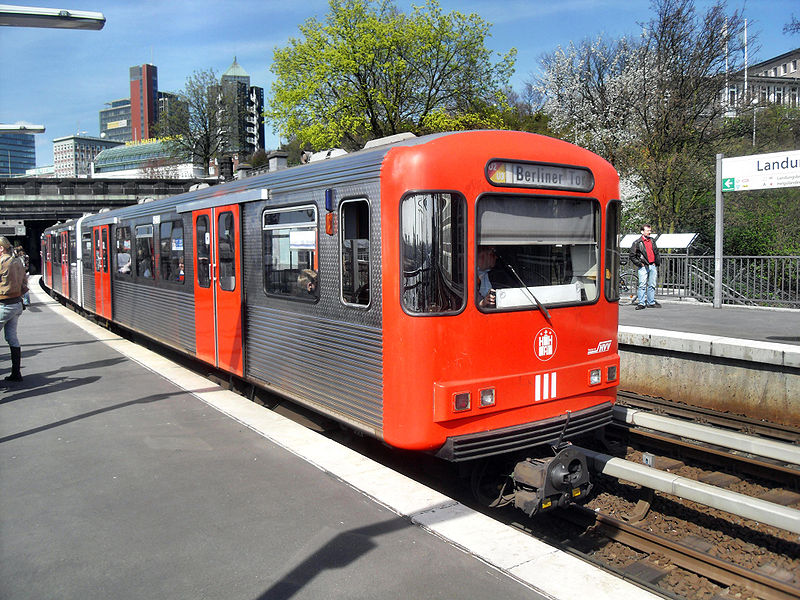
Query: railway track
x=691 y=558
x=720 y=554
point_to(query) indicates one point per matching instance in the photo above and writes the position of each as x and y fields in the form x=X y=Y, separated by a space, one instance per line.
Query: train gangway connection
x=126 y=476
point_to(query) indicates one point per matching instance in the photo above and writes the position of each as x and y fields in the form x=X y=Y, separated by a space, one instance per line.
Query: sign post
x=718 y=236
x=743 y=173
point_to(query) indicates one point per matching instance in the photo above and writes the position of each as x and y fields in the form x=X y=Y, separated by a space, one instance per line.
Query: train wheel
x=490 y=481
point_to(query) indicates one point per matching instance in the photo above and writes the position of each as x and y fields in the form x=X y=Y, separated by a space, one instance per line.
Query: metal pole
x=718 y=237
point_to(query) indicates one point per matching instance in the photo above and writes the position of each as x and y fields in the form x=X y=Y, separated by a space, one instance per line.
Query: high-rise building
x=115 y=121
x=247 y=133
x=17 y=153
x=144 y=100
x=73 y=154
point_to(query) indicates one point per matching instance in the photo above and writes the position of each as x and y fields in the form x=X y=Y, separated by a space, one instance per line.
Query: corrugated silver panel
x=73 y=282
x=88 y=291
x=318 y=361
x=164 y=314
x=57 y=285
x=325 y=354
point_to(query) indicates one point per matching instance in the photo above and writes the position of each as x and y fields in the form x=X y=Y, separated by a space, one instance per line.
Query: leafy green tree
x=370 y=71
x=198 y=126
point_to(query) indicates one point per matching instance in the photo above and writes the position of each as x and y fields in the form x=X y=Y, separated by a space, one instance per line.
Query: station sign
x=761 y=171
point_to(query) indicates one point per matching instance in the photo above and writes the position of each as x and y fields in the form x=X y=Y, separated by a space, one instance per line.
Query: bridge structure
x=39 y=202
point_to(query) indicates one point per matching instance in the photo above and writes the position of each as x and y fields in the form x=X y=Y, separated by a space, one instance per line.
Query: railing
x=746 y=280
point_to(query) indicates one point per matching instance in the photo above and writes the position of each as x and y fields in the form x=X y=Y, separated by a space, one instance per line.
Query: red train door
x=218 y=286
x=65 y=263
x=102 y=278
x=48 y=270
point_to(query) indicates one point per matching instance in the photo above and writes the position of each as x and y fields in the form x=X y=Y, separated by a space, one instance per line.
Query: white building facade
x=73 y=154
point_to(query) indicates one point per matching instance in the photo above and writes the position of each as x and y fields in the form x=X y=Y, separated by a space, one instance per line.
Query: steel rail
x=690 y=559
x=747 y=507
x=742 y=423
x=761 y=468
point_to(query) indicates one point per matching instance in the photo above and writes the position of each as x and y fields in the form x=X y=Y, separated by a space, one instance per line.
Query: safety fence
x=746 y=280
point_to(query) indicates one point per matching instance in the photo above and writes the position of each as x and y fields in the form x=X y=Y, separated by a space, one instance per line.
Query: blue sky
x=62 y=79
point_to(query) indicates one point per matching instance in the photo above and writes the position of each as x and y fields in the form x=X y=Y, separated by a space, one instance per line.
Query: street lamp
x=34 y=16
x=21 y=127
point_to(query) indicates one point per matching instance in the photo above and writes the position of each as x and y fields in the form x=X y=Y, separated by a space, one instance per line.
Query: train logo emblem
x=604 y=346
x=545 y=343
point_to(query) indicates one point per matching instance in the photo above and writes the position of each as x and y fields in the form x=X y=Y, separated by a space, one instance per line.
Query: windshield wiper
x=539 y=305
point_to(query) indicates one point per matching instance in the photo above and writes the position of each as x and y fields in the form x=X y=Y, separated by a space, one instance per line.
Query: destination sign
x=539 y=175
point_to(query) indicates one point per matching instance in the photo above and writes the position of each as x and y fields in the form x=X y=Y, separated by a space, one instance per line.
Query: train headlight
x=487 y=397
x=612 y=373
x=461 y=402
x=595 y=376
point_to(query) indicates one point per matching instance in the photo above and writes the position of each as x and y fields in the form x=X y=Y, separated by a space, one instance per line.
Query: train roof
x=335 y=171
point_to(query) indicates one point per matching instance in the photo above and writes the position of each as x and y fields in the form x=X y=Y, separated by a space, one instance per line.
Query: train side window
x=171 y=249
x=98 y=252
x=122 y=237
x=433 y=258
x=104 y=234
x=354 y=229
x=86 y=242
x=203 y=251
x=613 y=216
x=290 y=252
x=226 y=243
x=144 y=251
x=56 y=249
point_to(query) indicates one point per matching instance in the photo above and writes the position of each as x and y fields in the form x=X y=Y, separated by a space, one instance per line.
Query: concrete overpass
x=42 y=201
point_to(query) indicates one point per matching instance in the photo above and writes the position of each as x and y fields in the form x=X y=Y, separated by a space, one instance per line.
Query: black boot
x=16 y=358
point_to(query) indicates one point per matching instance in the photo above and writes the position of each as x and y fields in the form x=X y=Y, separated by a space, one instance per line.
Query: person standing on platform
x=13 y=285
x=644 y=254
x=19 y=252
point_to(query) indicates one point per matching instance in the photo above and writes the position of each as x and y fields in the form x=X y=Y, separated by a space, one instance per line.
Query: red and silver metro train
x=454 y=294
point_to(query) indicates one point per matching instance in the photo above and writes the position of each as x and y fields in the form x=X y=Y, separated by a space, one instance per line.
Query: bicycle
x=625 y=289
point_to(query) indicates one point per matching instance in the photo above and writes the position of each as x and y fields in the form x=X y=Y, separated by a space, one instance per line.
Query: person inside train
x=491 y=276
x=123 y=262
x=307 y=281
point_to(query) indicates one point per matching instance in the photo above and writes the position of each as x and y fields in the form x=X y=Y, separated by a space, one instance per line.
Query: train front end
x=500 y=304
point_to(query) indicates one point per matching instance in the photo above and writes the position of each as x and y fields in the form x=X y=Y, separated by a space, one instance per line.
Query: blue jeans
x=647 y=285
x=9 y=314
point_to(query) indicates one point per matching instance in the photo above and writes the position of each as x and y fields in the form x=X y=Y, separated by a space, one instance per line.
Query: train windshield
x=534 y=248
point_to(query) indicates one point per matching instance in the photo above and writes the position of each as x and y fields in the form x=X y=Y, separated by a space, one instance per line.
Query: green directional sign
x=728 y=184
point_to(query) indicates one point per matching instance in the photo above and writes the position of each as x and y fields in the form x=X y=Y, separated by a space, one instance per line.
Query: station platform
x=778 y=326
x=122 y=475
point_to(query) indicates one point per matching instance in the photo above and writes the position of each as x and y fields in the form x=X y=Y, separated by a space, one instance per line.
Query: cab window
x=536 y=249
x=433 y=234
x=613 y=216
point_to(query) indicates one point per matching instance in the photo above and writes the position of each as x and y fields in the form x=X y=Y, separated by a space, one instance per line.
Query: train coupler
x=545 y=483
